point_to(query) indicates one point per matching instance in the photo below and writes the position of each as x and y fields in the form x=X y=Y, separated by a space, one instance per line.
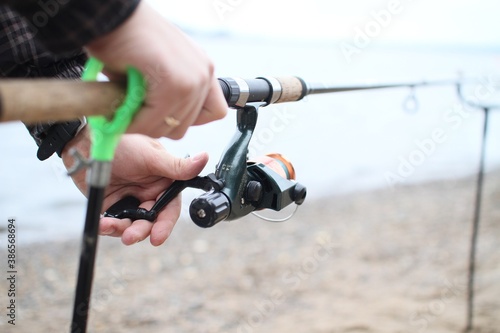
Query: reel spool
x=278 y=163
x=269 y=183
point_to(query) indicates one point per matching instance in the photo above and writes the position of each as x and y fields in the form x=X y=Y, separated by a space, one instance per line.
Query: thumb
x=177 y=168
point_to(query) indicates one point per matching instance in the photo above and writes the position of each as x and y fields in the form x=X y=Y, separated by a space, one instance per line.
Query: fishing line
x=270 y=219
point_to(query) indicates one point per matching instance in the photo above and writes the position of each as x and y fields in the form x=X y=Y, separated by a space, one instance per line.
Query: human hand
x=144 y=169
x=182 y=88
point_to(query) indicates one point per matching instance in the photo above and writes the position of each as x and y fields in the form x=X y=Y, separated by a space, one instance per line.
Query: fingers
x=165 y=222
x=131 y=233
x=109 y=226
x=171 y=108
x=144 y=169
x=137 y=231
x=206 y=107
x=171 y=167
x=142 y=161
x=182 y=88
x=215 y=106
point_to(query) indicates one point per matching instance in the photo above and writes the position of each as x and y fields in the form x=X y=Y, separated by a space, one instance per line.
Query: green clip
x=106 y=133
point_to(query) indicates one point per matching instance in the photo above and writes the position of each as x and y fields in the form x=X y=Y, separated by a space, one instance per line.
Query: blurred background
x=338 y=143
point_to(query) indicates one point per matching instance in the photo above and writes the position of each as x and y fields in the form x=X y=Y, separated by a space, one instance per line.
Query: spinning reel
x=237 y=188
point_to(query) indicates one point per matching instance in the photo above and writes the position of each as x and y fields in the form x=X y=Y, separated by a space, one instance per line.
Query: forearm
x=64 y=26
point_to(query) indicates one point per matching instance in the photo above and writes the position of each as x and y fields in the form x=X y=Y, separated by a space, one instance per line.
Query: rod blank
x=322 y=88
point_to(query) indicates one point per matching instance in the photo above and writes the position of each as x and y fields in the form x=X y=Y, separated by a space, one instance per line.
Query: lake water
x=338 y=143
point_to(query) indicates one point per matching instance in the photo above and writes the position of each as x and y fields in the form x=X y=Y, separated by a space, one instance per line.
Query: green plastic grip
x=106 y=133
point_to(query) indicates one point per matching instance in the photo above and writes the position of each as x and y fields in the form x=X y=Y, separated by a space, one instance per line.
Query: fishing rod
x=39 y=100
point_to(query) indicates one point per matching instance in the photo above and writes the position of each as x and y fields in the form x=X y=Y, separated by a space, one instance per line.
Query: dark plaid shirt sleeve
x=44 y=38
x=67 y=25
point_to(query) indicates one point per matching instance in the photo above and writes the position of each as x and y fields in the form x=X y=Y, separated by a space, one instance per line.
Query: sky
x=420 y=21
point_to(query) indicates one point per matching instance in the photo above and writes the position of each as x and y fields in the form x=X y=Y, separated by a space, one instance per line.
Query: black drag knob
x=209 y=209
x=299 y=194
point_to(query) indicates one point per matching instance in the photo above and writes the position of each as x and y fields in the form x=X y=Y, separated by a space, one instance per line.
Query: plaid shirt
x=66 y=25
x=44 y=38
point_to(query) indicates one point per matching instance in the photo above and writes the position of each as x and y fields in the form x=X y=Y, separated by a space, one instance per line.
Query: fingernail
x=107 y=232
x=198 y=157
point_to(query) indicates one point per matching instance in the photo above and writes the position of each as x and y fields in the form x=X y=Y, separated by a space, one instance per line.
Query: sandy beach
x=390 y=260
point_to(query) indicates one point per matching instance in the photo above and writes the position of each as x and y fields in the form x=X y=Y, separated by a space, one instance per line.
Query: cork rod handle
x=40 y=100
